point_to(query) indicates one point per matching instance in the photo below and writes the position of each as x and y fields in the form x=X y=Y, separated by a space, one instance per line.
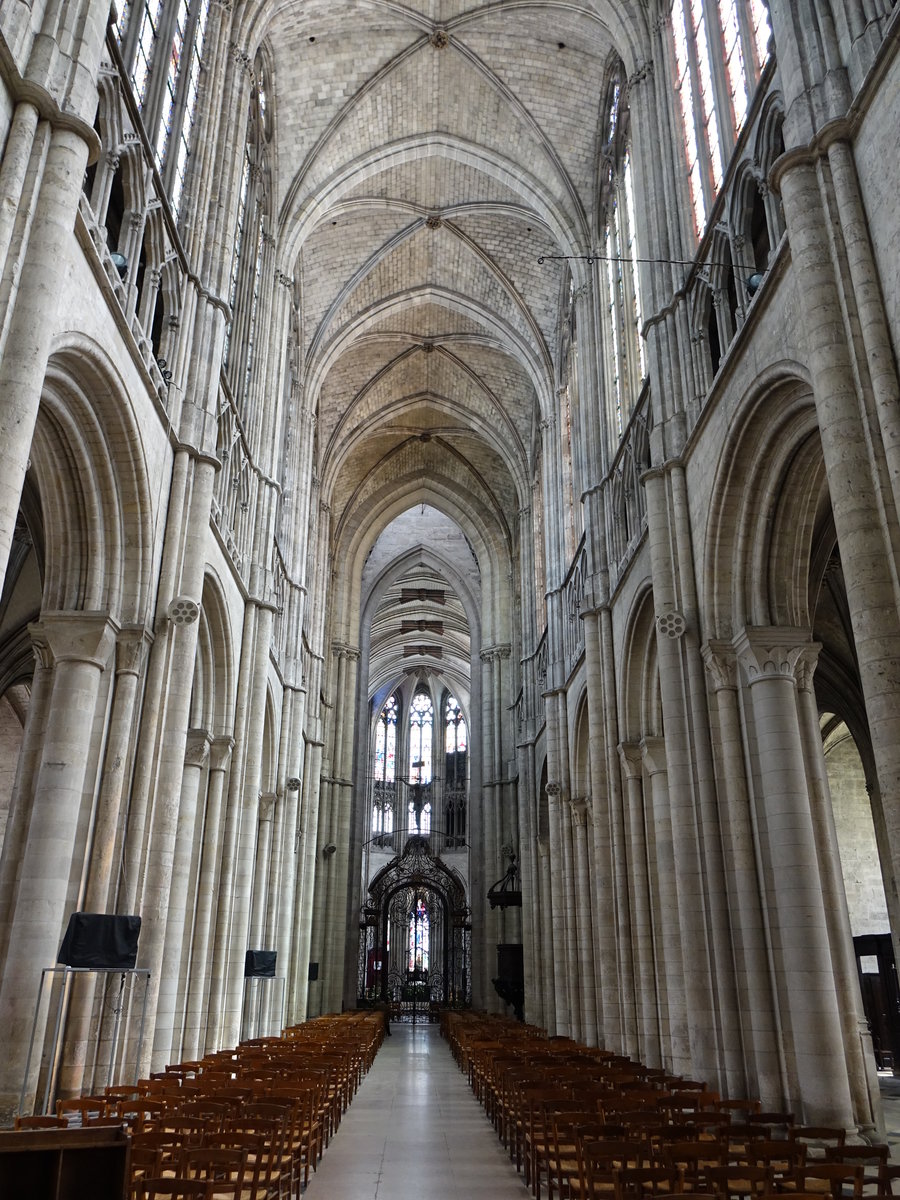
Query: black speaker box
x=259 y=964
x=100 y=941
x=313 y=972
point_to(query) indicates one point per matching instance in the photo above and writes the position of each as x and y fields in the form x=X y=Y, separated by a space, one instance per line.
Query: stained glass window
x=183 y=148
x=421 y=721
x=386 y=742
x=146 y=39
x=419 y=937
x=734 y=33
x=625 y=347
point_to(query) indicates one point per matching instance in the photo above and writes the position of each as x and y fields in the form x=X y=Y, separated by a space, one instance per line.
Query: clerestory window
x=720 y=47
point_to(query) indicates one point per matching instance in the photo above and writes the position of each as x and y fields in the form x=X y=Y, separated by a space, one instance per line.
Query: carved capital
x=267 y=803
x=220 y=752
x=131 y=645
x=580 y=806
x=653 y=753
x=720 y=661
x=775 y=652
x=631 y=759
x=77 y=636
x=196 y=748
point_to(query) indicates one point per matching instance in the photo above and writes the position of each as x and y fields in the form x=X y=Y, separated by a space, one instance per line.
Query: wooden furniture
x=64 y=1164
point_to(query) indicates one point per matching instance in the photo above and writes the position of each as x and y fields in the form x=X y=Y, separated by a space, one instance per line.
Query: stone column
x=80 y=645
x=558 y=1015
x=106 y=841
x=766 y=1072
x=265 y=825
x=26 y=779
x=602 y=881
x=548 y=957
x=580 y=820
x=863 y=470
x=198 y=979
x=166 y=1036
x=566 y=868
x=858 y=1048
x=645 y=997
x=802 y=962
x=675 y=1047
x=42 y=283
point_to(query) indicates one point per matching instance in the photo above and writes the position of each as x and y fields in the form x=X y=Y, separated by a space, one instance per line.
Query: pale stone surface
x=361 y=418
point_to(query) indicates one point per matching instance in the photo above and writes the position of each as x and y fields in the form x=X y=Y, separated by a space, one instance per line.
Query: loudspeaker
x=259 y=964
x=313 y=972
x=100 y=941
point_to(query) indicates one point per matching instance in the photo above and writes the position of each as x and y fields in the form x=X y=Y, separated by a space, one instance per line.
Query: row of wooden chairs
x=248 y=1123
x=550 y=1098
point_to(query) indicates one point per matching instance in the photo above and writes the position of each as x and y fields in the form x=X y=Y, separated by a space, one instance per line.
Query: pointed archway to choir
x=415 y=946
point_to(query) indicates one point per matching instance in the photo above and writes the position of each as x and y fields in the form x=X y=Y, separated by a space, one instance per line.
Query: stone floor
x=415 y=1132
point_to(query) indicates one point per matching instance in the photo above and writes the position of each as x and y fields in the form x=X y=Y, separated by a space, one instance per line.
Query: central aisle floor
x=415 y=1132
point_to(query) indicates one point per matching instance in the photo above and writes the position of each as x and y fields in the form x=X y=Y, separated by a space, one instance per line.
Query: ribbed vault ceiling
x=426 y=155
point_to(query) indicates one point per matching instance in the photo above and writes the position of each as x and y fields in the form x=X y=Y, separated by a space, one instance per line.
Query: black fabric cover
x=259 y=964
x=100 y=940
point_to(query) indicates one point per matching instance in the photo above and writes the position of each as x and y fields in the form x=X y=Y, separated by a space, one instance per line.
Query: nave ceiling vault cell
x=396 y=462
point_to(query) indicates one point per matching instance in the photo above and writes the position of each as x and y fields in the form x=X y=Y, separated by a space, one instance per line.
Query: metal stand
x=253 y=1004
x=65 y=975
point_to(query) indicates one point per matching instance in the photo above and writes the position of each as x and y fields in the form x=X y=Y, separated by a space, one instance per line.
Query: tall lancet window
x=162 y=46
x=385 y=769
x=456 y=772
x=253 y=216
x=419 y=938
x=720 y=47
x=624 y=357
x=421 y=730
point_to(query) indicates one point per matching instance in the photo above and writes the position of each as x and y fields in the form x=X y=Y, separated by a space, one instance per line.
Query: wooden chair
x=738 y=1180
x=873 y=1160
x=835 y=1179
x=41 y=1122
x=636 y=1183
x=173 y=1189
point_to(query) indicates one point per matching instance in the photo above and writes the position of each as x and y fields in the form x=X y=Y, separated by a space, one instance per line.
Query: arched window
x=421 y=732
x=456 y=772
x=249 y=240
x=385 y=768
x=162 y=48
x=720 y=47
x=419 y=938
x=624 y=345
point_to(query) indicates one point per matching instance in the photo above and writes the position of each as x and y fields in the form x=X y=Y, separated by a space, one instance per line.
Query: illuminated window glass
x=732 y=35
x=386 y=742
x=146 y=39
x=624 y=357
x=183 y=146
x=419 y=937
x=421 y=721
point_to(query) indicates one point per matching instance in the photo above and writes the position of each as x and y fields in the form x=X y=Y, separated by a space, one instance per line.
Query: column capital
x=720 y=660
x=267 y=802
x=580 y=806
x=653 y=752
x=196 y=748
x=499 y=651
x=220 y=749
x=775 y=652
x=131 y=646
x=86 y=637
x=631 y=758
